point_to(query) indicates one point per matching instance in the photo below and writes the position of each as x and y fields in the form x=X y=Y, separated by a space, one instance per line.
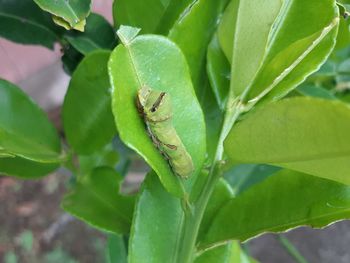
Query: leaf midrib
x=296 y=159
x=32 y=22
x=28 y=141
x=286 y=227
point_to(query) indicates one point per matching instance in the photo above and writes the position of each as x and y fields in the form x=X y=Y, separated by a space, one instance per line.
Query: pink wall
x=18 y=62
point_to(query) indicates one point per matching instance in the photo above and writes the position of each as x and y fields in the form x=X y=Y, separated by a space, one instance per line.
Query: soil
x=34 y=229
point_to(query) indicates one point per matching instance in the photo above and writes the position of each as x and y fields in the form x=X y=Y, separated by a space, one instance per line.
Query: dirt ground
x=33 y=229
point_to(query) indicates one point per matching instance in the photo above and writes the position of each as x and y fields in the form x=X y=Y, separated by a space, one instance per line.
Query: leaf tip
x=127 y=33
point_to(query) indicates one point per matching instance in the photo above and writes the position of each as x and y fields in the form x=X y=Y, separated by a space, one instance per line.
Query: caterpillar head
x=153 y=104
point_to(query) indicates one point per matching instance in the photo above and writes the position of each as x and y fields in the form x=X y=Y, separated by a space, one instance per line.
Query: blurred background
x=33 y=227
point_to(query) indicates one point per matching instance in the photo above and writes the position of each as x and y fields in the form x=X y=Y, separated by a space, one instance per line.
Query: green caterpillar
x=156 y=110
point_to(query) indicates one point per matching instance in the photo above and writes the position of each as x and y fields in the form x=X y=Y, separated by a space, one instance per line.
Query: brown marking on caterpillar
x=158 y=102
x=171 y=147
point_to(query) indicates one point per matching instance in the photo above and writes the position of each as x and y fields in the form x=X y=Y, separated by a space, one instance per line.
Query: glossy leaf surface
x=244 y=176
x=218 y=69
x=283 y=201
x=315 y=91
x=69 y=14
x=274 y=46
x=156 y=227
x=156 y=62
x=25 y=130
x=138 y=14
x=117 y=252
x=304 y=134
x=96 y=200
x=228 y=253
x=213 y=119
x=193 y=31
x=87 y=114
x=25 y=169
x=23 y=22
x=157 y=16
x=222 y=193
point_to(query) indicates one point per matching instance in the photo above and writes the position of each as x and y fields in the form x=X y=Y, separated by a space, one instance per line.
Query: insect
x=156 y=110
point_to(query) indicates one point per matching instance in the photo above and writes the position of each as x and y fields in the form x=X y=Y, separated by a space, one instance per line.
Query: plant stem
x=292 y=250
x=192 y=220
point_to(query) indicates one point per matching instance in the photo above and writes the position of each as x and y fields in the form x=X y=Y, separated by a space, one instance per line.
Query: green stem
x=193 y=219
x=292 y=250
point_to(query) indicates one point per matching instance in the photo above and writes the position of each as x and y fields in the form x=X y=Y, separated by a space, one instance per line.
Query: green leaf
x=156 y=62
x=315 y=91
x=193 y=31
x=157 y=16
x=156 y=225
x=175 y=10
x=25 y=130
x=116 y=249
x=87 y=115
x=304 y=134
x=23 y=22
x=218 y=69
x=98 y=34
x=228 y=253
x=69 y=14
x=96 y=200
x=343 y=38
x=244 y=176
x=213 y=120
x=221 y=195
x=274 y=49
x=283 y=201
x=138 y=14
x=105 y=157
x=243 y=35
x=4 y=154
x=25 y=169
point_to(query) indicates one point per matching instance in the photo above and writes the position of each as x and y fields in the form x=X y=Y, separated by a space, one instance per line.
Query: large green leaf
x=227 y=253
x=244 y=176
x=156 y=207
x=155 y=16
x=312 y=90
x=156 y=62
x=25 y=169
x=25 y=130
x=221 y=195
x=213 y=119
x=87 y=114
x=139 y=14
x=218 y=69
x=193 y=31
x=156 y=227
x=24 y=22
x=98 y=34
x=69 y=14
x=116 y=249
x=273 y=46
x=96 y=200
x=283 y=201
x=304 y=134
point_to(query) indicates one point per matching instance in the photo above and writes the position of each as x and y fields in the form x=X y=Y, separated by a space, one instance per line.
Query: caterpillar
x=156 y=110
